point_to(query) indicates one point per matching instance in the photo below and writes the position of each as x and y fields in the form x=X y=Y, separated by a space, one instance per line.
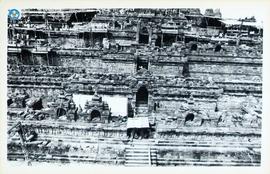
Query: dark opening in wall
x=60 y=112
x=98 y=38
x=218 y=48
x=82 y=17
x=95 y=115
x=144 y=30
x=158 y=41
x=76 y=116
x=168 y=39
x=9 y=101
x=189 y=39
x=53 y=60
x=109 y=36
x=40 y=35
x=142 y=64
x=37 y=19
x=216 y=108
x=189 y=117
x=130 y=110
x=142 y=96
x=193 y=47
x=156 y=105
x=185 y=71
x=144 y=36
x=117 y=24
x=232 y=43
x=180 y=38
x=213 y=22
x=37 y=105
x=26 y=57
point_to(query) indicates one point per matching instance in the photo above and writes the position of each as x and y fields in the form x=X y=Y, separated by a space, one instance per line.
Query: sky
x=118 y=104
x=237 y=12
x=241 y=12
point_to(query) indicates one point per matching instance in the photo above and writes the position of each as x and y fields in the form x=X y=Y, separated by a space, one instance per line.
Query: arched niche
x=60 y=112
x=193 y=47
x=189 y=117
x=142 y=96
x=95 y=115
x=218 y=48
x=144 y=36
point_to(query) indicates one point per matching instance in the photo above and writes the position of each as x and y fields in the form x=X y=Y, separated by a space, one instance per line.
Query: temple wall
x=226 y=69
x=65 y=42
x=235 y=103
x=118 y=67
x=227 y=77
x=98 y=65
x=82 y=62
x=172 y=107
x=166 y=70
x=39 y=59
x=13 y=58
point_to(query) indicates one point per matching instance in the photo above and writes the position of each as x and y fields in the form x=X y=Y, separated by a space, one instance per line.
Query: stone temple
x=134 y=87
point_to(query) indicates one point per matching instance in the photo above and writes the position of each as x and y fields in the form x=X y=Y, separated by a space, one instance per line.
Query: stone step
x=142 y=108
x=131 y=158
x=141 y=113
x=140 y=142
x=140 y=150
x=136 y=165
x=140 y=155
x=144 y=157
x=140 y=147
x=158 y=144
x=42 y=157
x=137 y=162
x=221 y=163
x=128 y=149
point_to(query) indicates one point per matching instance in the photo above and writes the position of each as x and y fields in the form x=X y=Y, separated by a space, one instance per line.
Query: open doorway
x=193 y=47
x=189 y=117
x=95 y=115
x=142 y=64
x=142 y=96
x=144 y=36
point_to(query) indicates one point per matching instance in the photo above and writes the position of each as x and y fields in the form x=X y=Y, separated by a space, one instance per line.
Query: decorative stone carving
x=96 y=110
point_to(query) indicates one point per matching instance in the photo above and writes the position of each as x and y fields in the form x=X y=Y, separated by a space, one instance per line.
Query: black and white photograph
x=134 y=87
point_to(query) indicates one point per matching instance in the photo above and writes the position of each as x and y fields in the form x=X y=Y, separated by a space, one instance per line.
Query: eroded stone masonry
x=191 y=86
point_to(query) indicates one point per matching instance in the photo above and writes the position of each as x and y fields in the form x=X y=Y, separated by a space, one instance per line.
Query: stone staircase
x=140 y=154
